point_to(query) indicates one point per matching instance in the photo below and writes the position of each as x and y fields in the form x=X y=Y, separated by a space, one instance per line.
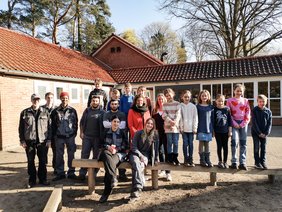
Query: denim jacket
x=27 y=125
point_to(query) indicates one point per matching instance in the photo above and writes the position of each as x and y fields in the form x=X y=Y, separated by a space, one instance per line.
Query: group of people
x=129 y=128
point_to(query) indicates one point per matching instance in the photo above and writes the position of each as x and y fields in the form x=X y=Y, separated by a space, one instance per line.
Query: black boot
x=170 y=158
x=203 y=160
x=190 y=162
x=175 y=160
x=207 y=156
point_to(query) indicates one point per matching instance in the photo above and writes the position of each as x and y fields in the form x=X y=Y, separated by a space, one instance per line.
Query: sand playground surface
x=186 y=192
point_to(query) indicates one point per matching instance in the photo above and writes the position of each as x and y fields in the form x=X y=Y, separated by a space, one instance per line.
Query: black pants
x=222 y=143
x=110 y=163
x=163 y=148
x=40 y=150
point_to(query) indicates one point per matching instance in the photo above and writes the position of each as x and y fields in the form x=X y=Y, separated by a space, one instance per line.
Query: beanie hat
x=64 y=94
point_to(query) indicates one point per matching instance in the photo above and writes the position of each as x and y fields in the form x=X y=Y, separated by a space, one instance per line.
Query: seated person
x=115 y=149
x=144 y=150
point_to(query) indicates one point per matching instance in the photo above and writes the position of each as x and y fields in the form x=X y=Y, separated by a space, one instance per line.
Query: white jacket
x=189 y=118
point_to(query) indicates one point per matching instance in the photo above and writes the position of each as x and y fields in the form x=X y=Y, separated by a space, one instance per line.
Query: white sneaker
x=168 y=177
x=162 y=174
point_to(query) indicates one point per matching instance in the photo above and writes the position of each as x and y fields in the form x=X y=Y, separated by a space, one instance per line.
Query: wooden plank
x=89 y=163
x=91 y=181
x=271 y=178
x=55 y=201
x=155 y=178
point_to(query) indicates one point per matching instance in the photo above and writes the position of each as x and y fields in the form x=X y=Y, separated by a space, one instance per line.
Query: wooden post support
x=155 y=176
x=271 y=178
x=55 y=201
x=91 y=181
x=213 y=178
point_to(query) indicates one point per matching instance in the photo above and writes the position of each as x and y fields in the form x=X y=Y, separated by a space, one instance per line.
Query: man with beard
x=114 y=105
x=64 y=128
x=91 y=132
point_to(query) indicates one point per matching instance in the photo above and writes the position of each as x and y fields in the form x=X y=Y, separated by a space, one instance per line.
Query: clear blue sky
x=132 y=14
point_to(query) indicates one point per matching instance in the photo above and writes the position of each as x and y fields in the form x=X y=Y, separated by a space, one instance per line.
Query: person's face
x=204 y=97
x=65 y=100
x=149 y=125
x=186 y=98
x=238 y=92
x=261 y=103
x=161 y=100
x=115 y=96
x=35 y=103
x=95 y=102
x=140 y=102
x=220 y=102
x=114 y=105
x=127 y=90
x=98 y=85
x=169 y=97
x=115 y=124
x=142 y=92
x=49 y=99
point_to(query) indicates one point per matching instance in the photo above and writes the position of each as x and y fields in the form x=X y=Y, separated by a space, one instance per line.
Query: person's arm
x=247 y=115
x=269 y=124
x=165 y=115
x=234 y=123
x=195 y=119
x=178 y=114
x=106 y=122
x=156 y=147
x=125 y=143
x=122 y=121
x=75 y=124
x=229 y=122
x=49 y=126
x=54 y=123
x=135 y=141
x=212 y=120
x=105 y=99
x=131 y=121
x=255 y=124
x=21 y=128
x=82 y=122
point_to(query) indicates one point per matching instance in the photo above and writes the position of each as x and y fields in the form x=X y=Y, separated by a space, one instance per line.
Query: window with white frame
x=58 y=88
x=74 y=94
x=86 y=92
x=41 y=88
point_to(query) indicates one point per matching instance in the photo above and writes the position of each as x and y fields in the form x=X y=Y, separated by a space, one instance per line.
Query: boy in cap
x=64 y=130
x=35 y=136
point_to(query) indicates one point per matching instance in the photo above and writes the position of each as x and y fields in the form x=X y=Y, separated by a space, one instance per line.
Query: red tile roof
x=24 y=53
x=240 y=68
x=135 y=48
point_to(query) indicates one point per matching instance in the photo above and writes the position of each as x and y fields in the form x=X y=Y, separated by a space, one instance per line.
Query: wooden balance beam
x=91 y=164
x=55 y=201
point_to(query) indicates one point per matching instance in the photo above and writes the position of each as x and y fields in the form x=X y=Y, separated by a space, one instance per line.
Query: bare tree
x=158 y=38
x=235 y=28
x=7 y=17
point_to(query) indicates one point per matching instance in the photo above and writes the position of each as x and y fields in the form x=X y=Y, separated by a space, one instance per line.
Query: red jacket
x=135 y=121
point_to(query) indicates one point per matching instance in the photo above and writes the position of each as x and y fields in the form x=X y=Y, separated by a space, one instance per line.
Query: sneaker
x=30 y=184
x=44 y=182
x=186 y=163
x=264 y=166
x=72 y=176
x=168 y=177
x=191 y=164
x=81 y=177
x=136 y=193
x=258 y=166
x=225 y=165
x=59 y=177
x=233 y=166
x=220 y=165
x=162 y=174
x=243 y=167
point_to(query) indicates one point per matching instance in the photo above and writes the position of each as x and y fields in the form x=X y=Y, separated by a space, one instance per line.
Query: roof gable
x=27 y=54
x=138 y=57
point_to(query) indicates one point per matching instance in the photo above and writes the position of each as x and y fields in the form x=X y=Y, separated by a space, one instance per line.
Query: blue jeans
x=259 y=144
x=187 y=144
x=172 y=142
x=239 y=137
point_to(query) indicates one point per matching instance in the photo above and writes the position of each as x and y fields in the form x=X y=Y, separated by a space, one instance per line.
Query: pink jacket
x=240 y=111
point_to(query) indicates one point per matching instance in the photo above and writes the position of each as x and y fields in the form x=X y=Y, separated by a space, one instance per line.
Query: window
x=216 y=89
x=41 y=88
x=86 y=92
x=118 y=49
x=263 y=88
x=113 y=50
x=249 y=93
x=207 y=87
x=58 y=88
x=74 y=95
x=227 y=91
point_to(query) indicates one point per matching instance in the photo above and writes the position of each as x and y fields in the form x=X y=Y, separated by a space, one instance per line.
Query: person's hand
x=112 y=149
x=195 y=131
x=237 y=126
x=142 y=159
x=81 y=135
x=23 y=144
x=262 y=135
x=229 y=134
x=172 y=123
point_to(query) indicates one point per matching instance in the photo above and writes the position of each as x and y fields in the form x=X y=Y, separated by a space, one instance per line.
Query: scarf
x=139 y=109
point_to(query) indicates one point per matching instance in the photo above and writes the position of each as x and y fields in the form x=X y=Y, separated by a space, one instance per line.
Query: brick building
x=29 y=65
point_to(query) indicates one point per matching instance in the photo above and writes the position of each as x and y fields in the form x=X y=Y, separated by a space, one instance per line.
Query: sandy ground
x=187 y=191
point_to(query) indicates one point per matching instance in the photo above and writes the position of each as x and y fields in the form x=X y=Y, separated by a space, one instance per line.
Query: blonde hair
x=239 y=86
x=220 y=96
x=185 y=92
x=157 y=106
x=98 y=80
x=262 y=96
x=169 y=90
x=208 y=94
x=127 y=85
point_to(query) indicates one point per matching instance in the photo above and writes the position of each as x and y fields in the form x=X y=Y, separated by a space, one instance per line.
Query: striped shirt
x=171 y=112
